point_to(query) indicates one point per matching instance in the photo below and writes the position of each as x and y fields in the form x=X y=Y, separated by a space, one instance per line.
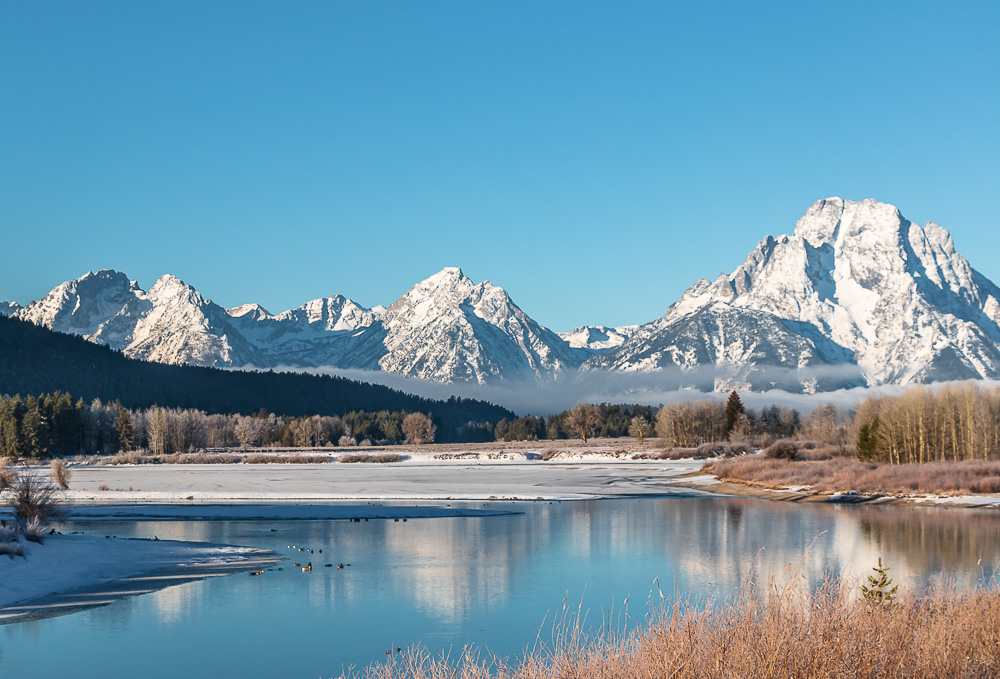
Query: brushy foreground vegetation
x=846 y=474
x=777 y=634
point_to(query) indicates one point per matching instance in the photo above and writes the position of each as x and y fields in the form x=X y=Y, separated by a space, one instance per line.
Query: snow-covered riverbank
x=419 y=477
x=97 y=570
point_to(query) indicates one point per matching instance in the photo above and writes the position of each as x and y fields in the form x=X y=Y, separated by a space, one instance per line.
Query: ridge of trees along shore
x=954 y=422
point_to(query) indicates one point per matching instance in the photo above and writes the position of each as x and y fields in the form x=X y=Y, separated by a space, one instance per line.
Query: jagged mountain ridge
x=862 y=293
x=598 y=338
x=855 y=295
x=445 y=328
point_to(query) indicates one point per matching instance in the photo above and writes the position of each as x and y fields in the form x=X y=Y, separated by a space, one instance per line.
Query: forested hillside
x=34 y=360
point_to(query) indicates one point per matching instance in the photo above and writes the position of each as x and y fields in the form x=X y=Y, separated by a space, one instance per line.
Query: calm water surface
x=495 y=581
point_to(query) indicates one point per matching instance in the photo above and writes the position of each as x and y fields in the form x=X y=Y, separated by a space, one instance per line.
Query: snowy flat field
x=419 y=477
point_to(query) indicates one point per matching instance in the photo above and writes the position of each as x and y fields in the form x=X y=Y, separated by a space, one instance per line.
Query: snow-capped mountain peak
x=80 y=306
x=448 y=328
x=331 y=314
x=860 y=283
x=251 y=311
x=598 y=338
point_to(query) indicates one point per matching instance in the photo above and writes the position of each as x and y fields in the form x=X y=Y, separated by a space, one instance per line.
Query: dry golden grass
x=846 y=474
x=771 y=635
x=60 y=473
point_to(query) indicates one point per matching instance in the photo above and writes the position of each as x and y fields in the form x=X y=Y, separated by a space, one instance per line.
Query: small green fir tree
x=881 y=591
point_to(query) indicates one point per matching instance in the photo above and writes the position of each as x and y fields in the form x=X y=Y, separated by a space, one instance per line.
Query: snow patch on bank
x=70 y=562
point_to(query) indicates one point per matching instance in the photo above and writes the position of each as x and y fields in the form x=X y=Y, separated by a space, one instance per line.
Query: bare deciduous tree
x=690 y=423
x=639 y=428
x=245 y=429
x=582 y=420
x=156 y=430
x=418 y=428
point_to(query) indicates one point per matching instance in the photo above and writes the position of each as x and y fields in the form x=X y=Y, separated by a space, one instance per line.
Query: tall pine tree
x=734 y=412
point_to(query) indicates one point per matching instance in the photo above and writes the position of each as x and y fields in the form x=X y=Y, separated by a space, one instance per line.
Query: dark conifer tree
x=734 y=411
x=123 y=426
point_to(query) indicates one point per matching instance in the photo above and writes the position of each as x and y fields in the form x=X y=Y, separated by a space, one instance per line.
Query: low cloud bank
x=652 y=388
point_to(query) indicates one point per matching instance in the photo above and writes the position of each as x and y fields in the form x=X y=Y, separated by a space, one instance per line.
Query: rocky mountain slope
x=598 y=338
x=856 y=295
x=445 y=328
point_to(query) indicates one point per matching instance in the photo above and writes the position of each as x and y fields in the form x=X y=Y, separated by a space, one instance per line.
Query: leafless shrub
x=822 y=453
x=346 y=441
x=722 y=449
x=11 y=549
x=199 y=458
x=785 y=449
x=130 y=457
x=260 y=458
x=60 y=474
x=103 y=486
x=653 y=455
x=8 y=534
x=33 y=497
x=550 y=454
x=369 y=457
x=34 y=531
x=456 y=456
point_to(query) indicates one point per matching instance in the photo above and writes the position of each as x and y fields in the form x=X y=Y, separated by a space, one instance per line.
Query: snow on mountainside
x=171 y=323
x=8 y=308
x=855 y=283
x=448 y=328
x=598 y=338
x=321 y=332
x=253 y=312
x=445 y=328
x=856 y=295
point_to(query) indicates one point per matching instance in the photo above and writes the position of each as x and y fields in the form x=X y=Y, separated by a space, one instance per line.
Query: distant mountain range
x=37 y=360
x=857 y=295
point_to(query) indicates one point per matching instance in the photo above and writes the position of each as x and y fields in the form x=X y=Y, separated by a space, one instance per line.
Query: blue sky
x=592 y=158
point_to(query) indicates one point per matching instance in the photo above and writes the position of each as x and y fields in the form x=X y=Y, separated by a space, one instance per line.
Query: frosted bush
x=11 y=549
x=34 y=531
x=8 y=534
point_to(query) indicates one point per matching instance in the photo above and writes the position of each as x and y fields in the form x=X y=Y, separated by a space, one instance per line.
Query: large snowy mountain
x=856 y=295
x=448 y=326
